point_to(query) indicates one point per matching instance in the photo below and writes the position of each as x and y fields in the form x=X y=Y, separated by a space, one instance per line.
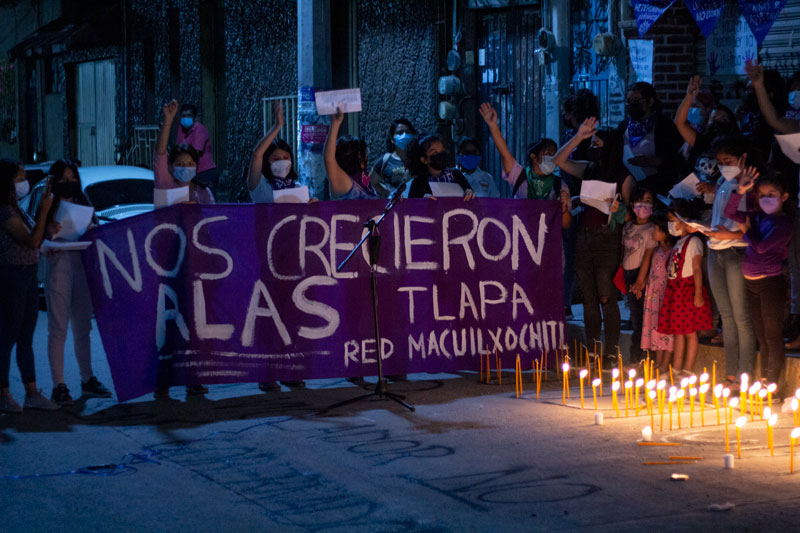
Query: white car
x=115 y=191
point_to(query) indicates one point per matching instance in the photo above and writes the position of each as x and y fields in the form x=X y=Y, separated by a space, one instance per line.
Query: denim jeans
x=597 y=257
x=636 y=307
x=730 y=292
x=19 y=310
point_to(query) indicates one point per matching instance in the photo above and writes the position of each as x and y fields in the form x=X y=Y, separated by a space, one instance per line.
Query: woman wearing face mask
x=179 y=168
x=428 y=162
x=195 y=134
x=20 y=239
x=271 y=164
x=538 y=180
x=171 y=171
x=767 y=231
x=651 y=140
x=468 y=162
x=346 y=163
x=390 y=170
x=726 y=249
x=597 y=247
x=67 y=294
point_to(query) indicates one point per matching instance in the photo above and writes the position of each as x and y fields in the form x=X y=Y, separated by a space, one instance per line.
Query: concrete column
x=555 y=16
x=313 y=72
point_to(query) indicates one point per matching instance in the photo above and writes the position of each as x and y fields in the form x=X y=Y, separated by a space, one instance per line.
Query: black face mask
x=636 y=111
x=439 y=161
x=593 y=153
x=67 y=189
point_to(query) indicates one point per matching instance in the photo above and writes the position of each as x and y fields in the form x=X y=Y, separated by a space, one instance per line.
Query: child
x=654 y=296
x=638 y=246
x=346 y=164
x=767 y=231
x=428 y=163
x=685 y=309
x=468 y=161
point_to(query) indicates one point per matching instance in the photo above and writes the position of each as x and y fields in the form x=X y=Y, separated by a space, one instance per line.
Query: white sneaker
x=37 y=400
x=8 y=404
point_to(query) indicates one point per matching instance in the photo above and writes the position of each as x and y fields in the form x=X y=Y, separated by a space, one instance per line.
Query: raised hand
x=338 y=118
x=47 y=198
x=694 y=86
x=170 y=109
x=587 y=129
x=277 y=111
x=748 y=179
x=754 y=71
x=488 y=113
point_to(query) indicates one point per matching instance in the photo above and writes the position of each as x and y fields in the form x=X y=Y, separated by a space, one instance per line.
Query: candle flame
x=797 y=393
x=615 y=373
x=631 y=373
x=752 y=390
x=652 y=394
x=741 y=421
x=772 y=387
x=565 y=367
x=651 y=384
x=692 y=379
x=703 y=377
x=584 y=373
x=757 y=386
x=794 y=404
x=773 y=419
x=734 y=402
x=684 y=382
x=681 y=393
x=744 y=379
x=693 y=392
x=661 y=384
x=673 y=390
x=795 y=433
x=718 y=390
x=628 y=384
x=762 y=393
x=767 y=413
x=726 y=392
x=615 y=386
x=639 y=382
x=704 y=388
x=596 y=382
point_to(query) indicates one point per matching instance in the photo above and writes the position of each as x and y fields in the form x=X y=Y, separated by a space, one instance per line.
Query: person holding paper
x=538 y=180
x=468 y=161
x=390 y=170
x=20 y=239
x=428 y=163
x=767 y=231
x=67 y=293
x=651 y=140
x=726 y=249
x=178 y=168
x=597 y=247
x=195 y=134
x=271 y=163
x=346 y=163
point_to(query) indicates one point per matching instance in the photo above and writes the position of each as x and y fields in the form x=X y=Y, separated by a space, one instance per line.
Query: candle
x=792 y=439
x=631 y=374
x=497 y=362
x=717 y=395
x=639 y=383
x=680 y=395
x=703 y=390
x=714 y=374
x=692 y=394
x=671 y=382
x=651 y=395
x=771 y=421
x=661 y=388
x=670 y=402
x=761 y=395
x=684 y=383
x=518 y=376
x=751 y=397
x=598 y=419
x=628 y=392
x=729 y=461
x=732 y=405
x=703 y=377
x=744 y=380
x=565 y=373
x=595 y=384
x=772 y=387
x=740 y=422
x=581 y=376
x=614 y=403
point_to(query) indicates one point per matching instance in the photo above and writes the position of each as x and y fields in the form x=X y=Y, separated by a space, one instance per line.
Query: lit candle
x=740 y=422
x=692 y=379
x=651 y=395
x=745 y=383
x=582 y=375
x=761 y=395
x=628 y=393
x=647 y=434
x=792 y=439
x=703 y=390
x=631 y=373
x=703 y=377
x=639 y=383
x=717 y=395
x=680 y=395
x=670 y=402
x=692 y=394
x=725 y=396
x=661 y=388
x=595 y=384
x=714 y=374
x=771 y=421
x=772 y=387
x=751 y=397
x=794 y=410
x=614 y=403
x=565 y=373
x=684 y=383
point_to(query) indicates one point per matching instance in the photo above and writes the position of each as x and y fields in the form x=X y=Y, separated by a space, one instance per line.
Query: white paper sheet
x=348 y=100
x=790 y=144
x=296 y=195
x=74 y=220
x=168 y=197
x=638 y=173
x=696 y=225
x=446 y=190
x=687 y=188
x=64 y=246
x=597 y=194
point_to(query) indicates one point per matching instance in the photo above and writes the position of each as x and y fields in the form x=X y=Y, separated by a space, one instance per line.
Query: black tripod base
x=382 y=392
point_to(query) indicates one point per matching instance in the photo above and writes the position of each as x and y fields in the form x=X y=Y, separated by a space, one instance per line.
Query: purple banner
x=706 y=13
x=647 y=13
x=760 y=16
x=246 y=293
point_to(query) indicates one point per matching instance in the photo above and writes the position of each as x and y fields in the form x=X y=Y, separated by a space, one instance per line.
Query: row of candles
x=673 y=399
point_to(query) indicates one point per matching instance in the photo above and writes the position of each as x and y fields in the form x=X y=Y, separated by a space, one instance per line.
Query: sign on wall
x=641 y=54
x=730 y=44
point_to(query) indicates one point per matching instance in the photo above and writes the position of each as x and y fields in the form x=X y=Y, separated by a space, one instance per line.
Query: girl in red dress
x=686 y=308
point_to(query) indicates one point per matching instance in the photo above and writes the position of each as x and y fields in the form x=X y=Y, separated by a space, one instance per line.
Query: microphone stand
x=373 y=239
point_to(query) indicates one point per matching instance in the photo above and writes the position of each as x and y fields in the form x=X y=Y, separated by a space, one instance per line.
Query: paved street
x=471 y=458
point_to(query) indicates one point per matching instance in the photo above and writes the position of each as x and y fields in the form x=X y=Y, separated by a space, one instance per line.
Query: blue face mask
x=184 y=174
x=468 y=162
x=187 y=122
x=401 y=140
x=695 y=116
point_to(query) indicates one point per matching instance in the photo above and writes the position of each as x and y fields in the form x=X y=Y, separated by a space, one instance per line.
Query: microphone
x=396 y=195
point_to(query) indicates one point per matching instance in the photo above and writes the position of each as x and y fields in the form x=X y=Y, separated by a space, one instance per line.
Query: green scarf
x=539 y=187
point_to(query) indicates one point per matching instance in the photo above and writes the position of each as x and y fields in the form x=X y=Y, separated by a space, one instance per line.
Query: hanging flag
x=647 y=12
x=705 y=13
x=760 y=16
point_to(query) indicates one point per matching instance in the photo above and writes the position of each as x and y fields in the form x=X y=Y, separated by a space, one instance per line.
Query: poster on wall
x=760 y=16
x=647 y=12
x=705 y=13
x=641 y=54
x=730 y=44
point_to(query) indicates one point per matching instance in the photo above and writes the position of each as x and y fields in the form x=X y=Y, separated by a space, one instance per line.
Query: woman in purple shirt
x=767 y=231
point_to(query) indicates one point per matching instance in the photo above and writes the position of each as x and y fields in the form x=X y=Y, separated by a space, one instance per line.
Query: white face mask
x=729 y=171
x=280 y=168
x=547 y=166
x=22 y=188
x=794 y=99
x=673 y=228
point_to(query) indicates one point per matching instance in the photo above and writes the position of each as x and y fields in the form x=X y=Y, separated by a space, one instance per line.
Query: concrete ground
x=471 y=458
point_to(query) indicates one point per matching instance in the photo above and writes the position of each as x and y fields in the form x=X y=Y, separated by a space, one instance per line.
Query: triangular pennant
x=705 y=13
x=647 y=12
x=760 y=16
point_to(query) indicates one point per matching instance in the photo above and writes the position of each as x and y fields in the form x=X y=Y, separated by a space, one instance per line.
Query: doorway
x=95 y=112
